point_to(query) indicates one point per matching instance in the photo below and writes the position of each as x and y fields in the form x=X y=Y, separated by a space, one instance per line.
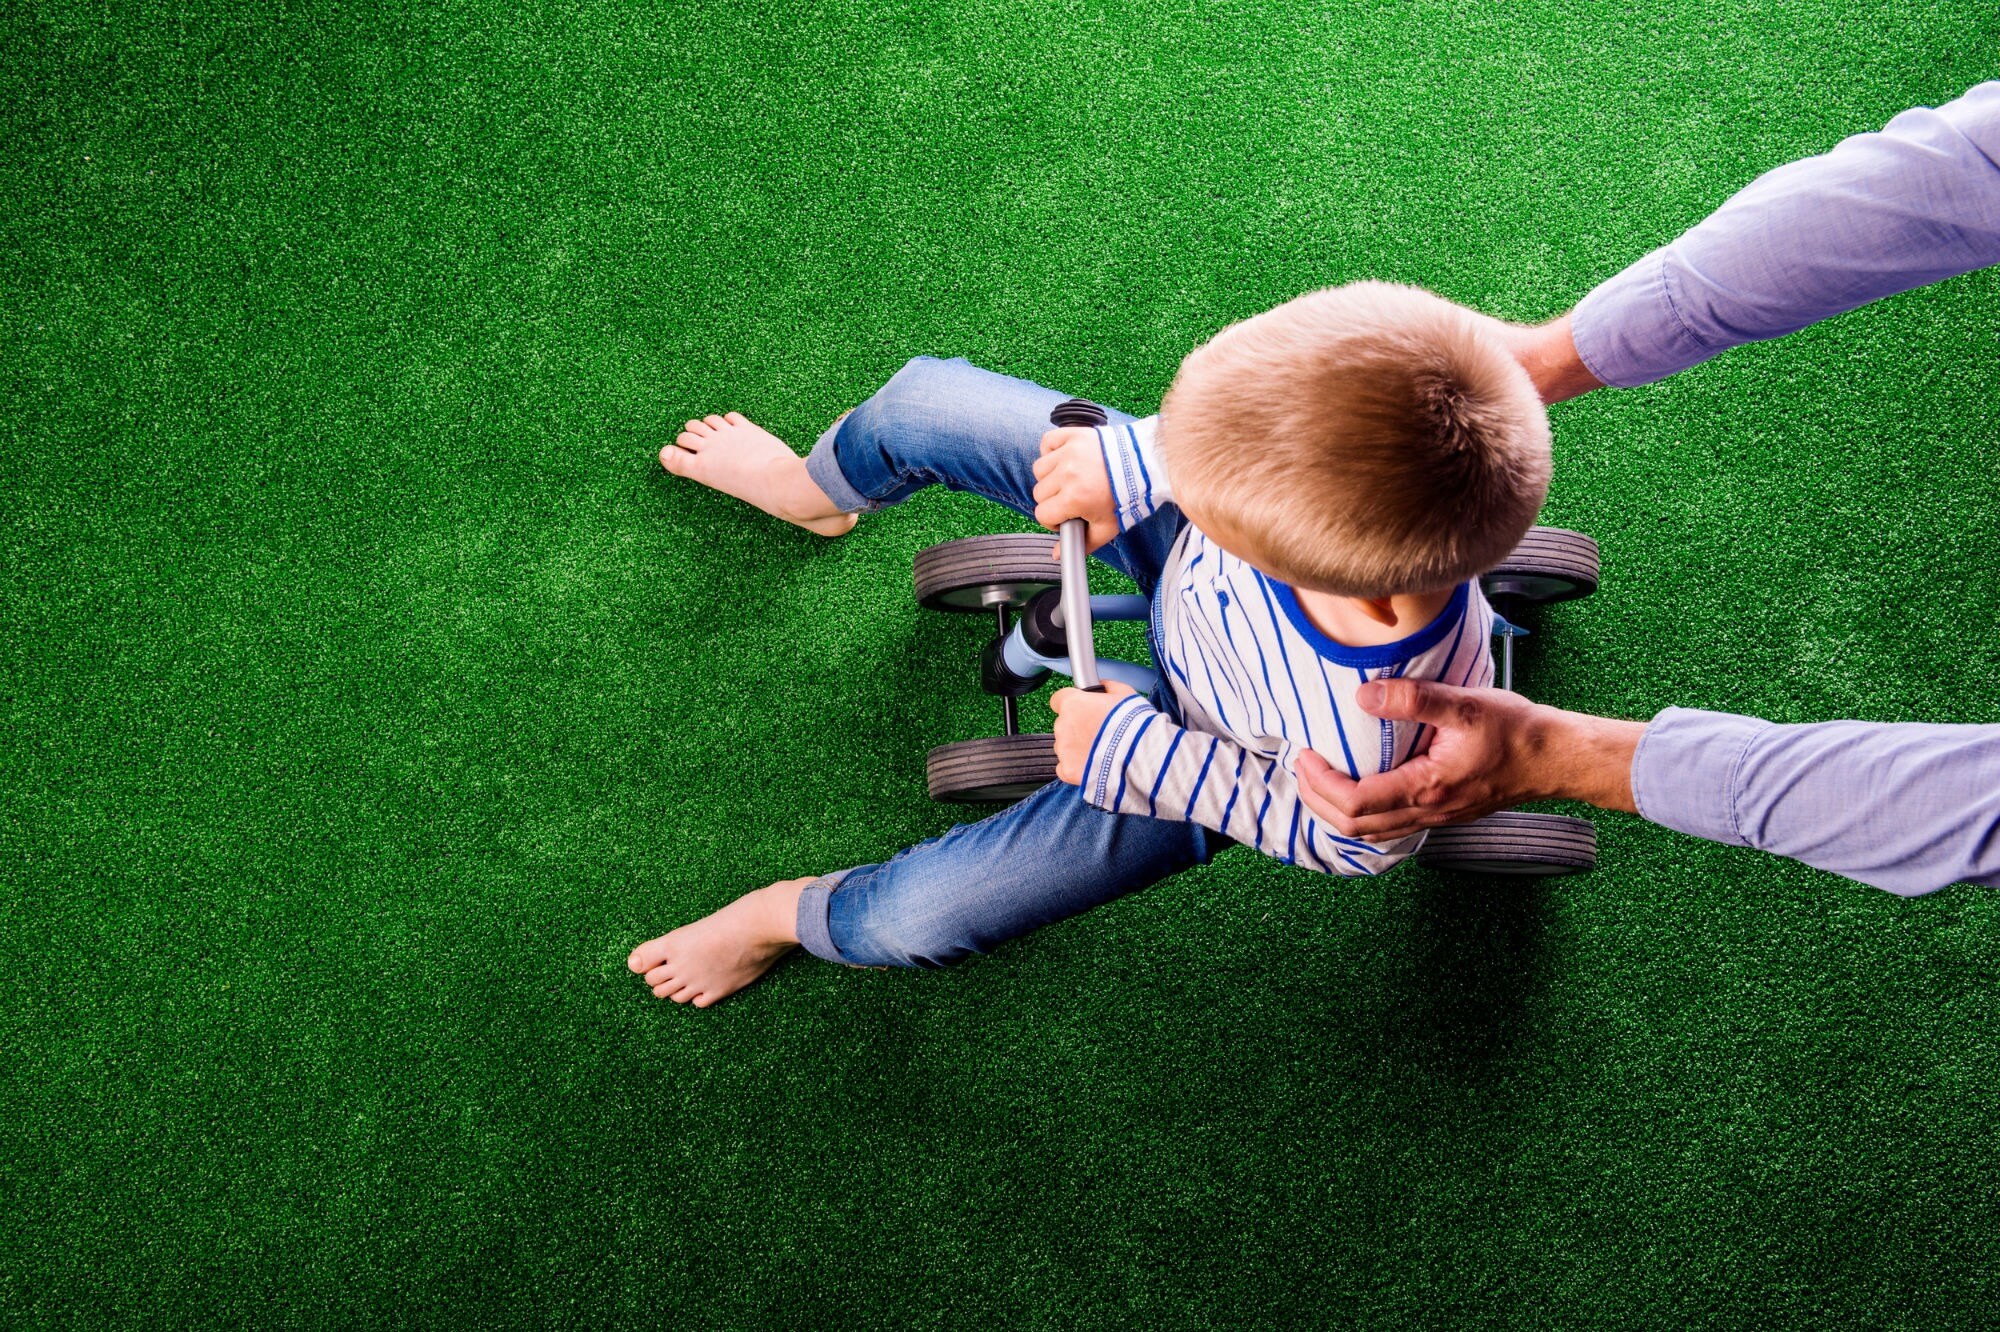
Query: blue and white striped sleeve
x=1138 y=476
x=1142 y=763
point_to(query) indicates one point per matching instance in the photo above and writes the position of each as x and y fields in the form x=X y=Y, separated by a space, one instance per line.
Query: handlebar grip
x=1078 y=412
x=1073 y=536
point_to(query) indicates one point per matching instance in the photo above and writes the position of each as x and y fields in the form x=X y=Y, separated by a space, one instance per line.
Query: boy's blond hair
x=1365 y=441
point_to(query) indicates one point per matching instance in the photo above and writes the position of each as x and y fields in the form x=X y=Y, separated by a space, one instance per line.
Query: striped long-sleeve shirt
x=1256 y=682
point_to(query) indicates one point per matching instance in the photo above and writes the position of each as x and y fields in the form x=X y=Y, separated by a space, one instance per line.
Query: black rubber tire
x=1550 y=564
x=957 y=575
x=1511 y=842
x=961 y=575
x=994 y=769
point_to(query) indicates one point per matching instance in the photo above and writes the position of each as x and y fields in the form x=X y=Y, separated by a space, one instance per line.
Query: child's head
x=1365 y=440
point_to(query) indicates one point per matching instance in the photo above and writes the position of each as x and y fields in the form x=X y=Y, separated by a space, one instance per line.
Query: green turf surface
x=369 y=692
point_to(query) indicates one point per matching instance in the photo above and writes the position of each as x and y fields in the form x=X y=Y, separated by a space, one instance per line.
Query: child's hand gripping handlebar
x=1074 y=618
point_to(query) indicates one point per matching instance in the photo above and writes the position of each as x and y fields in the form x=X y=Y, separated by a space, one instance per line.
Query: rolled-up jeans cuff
x=823 y=466
x=814 y=903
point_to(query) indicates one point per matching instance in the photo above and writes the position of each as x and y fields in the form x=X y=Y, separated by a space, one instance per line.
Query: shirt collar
x=1382 y=654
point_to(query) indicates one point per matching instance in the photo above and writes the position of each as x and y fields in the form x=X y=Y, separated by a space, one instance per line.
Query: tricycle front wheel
x=978 y=573
x=994 y=769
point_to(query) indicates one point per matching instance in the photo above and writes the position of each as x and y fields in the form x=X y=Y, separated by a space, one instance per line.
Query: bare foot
x=706 y=962
x=736 y=456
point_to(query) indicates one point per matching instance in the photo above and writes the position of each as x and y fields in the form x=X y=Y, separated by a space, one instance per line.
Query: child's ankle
x=778 y=911
x=797 y=497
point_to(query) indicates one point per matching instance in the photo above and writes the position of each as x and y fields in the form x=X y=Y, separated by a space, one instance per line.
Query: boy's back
x=1254 y=682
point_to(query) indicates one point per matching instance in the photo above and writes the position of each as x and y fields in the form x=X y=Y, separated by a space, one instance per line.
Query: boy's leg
x=1047 y=858
x=1050 y=857
x=934 y=423
x=952 y=424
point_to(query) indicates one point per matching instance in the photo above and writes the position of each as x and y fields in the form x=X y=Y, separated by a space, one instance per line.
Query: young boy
x=1309 y=511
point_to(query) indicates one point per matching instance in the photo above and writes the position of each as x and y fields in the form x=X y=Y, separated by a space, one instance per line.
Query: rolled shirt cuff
x=1104 y=770
x=1627 y=330
x=1684 y=773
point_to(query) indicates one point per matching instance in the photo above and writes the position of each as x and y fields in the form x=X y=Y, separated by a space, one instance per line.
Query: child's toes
x=715 y=422
x=699 y=428
x=648 y=955
x=736 y=418
x=658 y=975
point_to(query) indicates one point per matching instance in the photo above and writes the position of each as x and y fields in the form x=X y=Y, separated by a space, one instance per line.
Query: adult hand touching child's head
x=1080 y=715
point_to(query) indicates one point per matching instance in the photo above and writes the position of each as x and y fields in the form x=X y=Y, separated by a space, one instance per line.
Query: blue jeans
x=1051 y=856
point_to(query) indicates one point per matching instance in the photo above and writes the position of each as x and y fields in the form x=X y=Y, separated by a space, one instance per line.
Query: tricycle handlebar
x=1075 y=575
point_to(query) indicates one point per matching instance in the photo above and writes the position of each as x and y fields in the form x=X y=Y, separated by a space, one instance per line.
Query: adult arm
x=1905 y=807
x=1912 y=204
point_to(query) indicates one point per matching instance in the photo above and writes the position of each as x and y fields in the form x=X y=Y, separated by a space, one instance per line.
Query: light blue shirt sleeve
x=1905 y=807
x=1916 y=203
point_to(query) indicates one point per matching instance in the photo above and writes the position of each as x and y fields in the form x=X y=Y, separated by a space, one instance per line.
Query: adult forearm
x=1905 y=807
x=1549 y=355
x=1915 y=203
x=1575 y=756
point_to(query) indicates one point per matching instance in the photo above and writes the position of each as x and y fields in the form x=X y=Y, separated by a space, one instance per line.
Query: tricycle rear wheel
x=1550 y=564
x=1513 y=842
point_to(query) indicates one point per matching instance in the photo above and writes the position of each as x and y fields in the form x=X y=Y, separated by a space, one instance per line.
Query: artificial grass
x=369 y=691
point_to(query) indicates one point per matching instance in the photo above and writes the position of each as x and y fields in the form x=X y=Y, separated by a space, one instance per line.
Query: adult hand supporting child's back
x=1489 y=749
x=1906 y=807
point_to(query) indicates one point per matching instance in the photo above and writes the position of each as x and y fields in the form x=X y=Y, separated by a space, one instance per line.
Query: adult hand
x=1489 y=749
x=1070 y=482
x=1080 y=715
